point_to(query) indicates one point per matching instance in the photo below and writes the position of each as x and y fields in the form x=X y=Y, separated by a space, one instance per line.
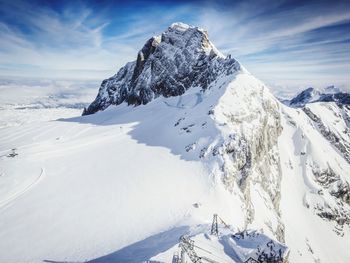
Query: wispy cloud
x=53 y=42
x=279 y=41
x=76 y=41
x=286 y=43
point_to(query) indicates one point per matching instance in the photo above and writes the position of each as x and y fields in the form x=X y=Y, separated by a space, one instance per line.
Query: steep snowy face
x=167 y=65
x=314 y=150
x=246 y=152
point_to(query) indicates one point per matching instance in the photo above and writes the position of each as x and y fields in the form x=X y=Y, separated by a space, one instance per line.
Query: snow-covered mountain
x=178 y=135
x=306 y=96
x=310 y=95
x=167 y=65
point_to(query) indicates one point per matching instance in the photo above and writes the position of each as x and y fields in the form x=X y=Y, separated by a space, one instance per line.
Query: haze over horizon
x=284 y=43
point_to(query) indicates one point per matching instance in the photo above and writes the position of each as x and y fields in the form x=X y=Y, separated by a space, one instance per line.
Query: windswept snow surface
x=123 y=185
x=110 y=179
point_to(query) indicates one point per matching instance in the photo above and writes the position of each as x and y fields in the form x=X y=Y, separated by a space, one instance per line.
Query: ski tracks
x=19 y=193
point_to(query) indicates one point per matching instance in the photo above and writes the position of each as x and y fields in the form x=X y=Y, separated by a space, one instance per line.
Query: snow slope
x=106 y=181
x=304 y=152
x=123 y=184
x=90 y=186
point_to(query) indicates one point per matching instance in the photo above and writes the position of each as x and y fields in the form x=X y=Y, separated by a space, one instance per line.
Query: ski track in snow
x=19 y=193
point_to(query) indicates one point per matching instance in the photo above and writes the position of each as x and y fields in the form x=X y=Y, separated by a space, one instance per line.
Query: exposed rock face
x=337 y=206
x=247 y=152
x=167 y=65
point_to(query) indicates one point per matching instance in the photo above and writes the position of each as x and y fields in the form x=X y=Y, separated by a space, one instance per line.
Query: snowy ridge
x=124 y=184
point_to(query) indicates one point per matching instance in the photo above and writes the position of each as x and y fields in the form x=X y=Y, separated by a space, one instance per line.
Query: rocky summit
x=167 y=65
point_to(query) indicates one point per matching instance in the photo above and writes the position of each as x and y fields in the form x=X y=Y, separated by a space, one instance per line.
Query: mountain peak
x=304 y=97
x=180 y=26
x=186 y=36
x=329 y=94
x=180 y=58
x=332 y=90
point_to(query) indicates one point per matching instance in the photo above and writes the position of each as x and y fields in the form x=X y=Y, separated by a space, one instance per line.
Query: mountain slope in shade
x=123 y=184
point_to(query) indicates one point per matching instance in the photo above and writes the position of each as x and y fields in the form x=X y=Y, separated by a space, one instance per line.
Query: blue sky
x=284 y=43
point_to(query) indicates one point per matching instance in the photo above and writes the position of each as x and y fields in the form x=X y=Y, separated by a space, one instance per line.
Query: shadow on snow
x=142 y=250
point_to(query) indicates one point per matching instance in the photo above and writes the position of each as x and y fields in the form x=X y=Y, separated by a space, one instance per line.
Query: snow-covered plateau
x=173 y=138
